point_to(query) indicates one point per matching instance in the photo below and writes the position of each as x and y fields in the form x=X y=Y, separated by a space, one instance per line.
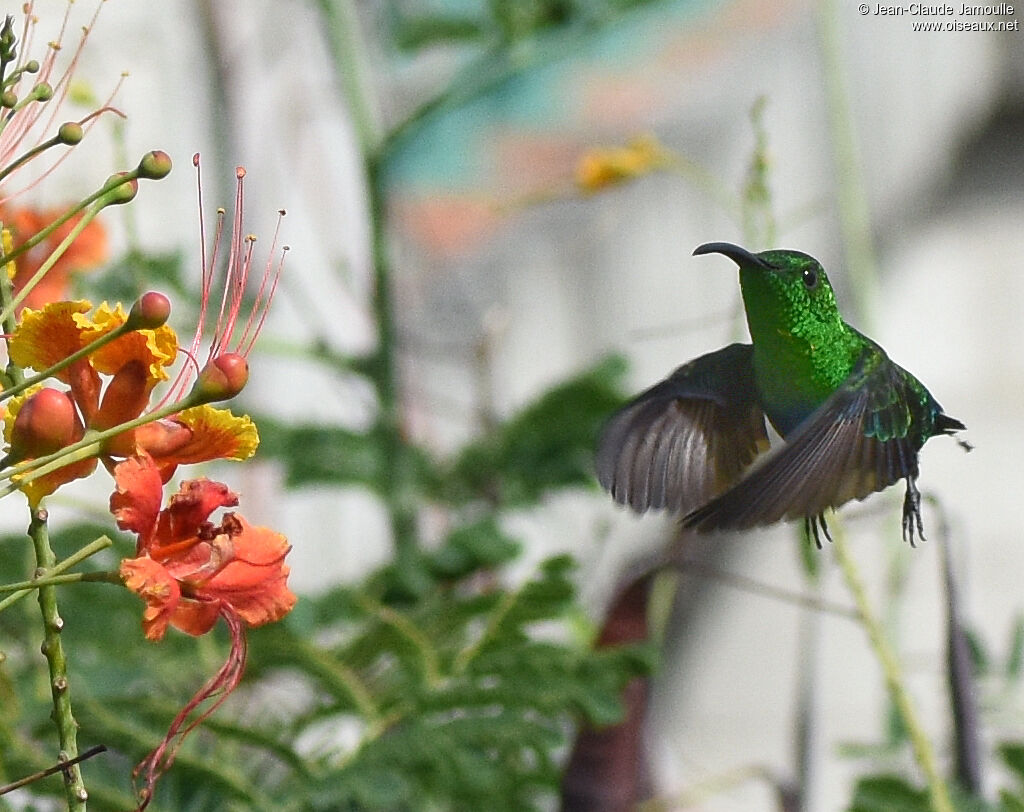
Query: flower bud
x=32 y=66
x=8 y=99
x=70 y=133
x=223 y=378
x=154 y=165
x=45 y=423
x=151 y=310
x=42 y=92
x=120 y=194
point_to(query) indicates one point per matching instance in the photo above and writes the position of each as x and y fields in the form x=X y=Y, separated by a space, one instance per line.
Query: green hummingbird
x=852 y=420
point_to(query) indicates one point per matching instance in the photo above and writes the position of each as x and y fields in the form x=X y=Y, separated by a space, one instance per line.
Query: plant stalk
x=938 y=793
x=53 y=650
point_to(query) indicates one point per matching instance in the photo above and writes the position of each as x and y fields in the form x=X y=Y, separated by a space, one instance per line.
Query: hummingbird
x=852 y=420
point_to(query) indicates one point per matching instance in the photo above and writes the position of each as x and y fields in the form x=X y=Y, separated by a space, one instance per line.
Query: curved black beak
x=741 y=256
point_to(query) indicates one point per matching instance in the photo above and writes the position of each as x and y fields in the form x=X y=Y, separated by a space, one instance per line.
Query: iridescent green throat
x=803 y=350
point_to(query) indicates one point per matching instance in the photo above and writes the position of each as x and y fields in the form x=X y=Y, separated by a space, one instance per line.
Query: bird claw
x=912 y=513
x=811 y=527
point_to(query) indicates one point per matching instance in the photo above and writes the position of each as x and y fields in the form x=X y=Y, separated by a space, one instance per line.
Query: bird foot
x=811 y=528
x=912 y=513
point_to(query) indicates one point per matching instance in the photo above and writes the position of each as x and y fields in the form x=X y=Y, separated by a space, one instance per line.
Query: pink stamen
x=261 y=305
x=239 y=261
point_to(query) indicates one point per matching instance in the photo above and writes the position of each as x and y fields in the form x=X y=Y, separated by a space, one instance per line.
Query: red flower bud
x=151 y=310
x=223 y=378
x=45 y=423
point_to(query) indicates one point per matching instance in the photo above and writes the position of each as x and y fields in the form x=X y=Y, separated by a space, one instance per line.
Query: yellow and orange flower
x=132 y=364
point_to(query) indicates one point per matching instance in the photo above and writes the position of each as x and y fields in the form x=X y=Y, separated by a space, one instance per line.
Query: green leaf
x=1012 y=754
x=474 y=546
x=1010 y=801
x=315 y=454
x=888 y=793
x=414 y=33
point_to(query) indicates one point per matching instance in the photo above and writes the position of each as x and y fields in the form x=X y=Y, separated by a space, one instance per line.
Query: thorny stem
x=53 y=650
x=937 y=791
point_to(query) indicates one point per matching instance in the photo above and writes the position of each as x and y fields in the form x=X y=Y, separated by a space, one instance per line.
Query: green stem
x=58 y=252
x=87 y=551
x=406 y=629
x=937 y=791
x=91 y=444
x=400 y=491
x=64 y=363
x=53 y=650
x=349 y=55
x=854 y=217
x=57 y=580
x=399 y=484
x=95 y=203
x=13 y=374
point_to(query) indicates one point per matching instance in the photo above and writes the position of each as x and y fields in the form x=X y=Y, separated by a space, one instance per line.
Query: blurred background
x=454 y=132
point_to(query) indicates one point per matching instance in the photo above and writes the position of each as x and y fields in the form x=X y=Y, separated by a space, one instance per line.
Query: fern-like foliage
x=460 y=698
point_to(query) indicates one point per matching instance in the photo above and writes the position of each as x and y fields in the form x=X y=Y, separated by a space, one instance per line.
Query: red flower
x=190 y=570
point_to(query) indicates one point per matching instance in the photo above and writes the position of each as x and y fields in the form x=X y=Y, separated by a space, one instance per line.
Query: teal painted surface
x=534 y=86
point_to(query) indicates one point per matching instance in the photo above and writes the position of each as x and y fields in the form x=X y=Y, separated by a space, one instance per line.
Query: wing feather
x=833 y=457
x=687 y=438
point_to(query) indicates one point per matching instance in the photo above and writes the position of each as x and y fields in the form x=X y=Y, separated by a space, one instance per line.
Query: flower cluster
x=89 y=386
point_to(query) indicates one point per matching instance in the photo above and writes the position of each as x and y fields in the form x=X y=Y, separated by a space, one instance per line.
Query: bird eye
x=810 y=279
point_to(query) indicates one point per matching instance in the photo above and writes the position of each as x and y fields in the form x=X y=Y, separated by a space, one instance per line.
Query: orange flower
x=89 y=249
x=190 y=570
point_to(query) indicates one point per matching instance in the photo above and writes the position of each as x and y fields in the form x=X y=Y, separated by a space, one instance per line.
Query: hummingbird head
x=782 y=290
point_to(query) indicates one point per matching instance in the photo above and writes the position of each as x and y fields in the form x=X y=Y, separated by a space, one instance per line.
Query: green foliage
x=549 y=444
x=460 y=698
x=890 y=793
x=502 y=21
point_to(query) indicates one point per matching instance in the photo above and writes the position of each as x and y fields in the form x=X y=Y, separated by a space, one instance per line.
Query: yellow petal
x=47 y=336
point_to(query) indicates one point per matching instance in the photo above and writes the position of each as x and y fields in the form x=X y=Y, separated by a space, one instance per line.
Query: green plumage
x=852 y=419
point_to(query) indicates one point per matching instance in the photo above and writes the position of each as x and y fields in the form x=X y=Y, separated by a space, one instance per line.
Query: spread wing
x=685 y=439
x=864 y=438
